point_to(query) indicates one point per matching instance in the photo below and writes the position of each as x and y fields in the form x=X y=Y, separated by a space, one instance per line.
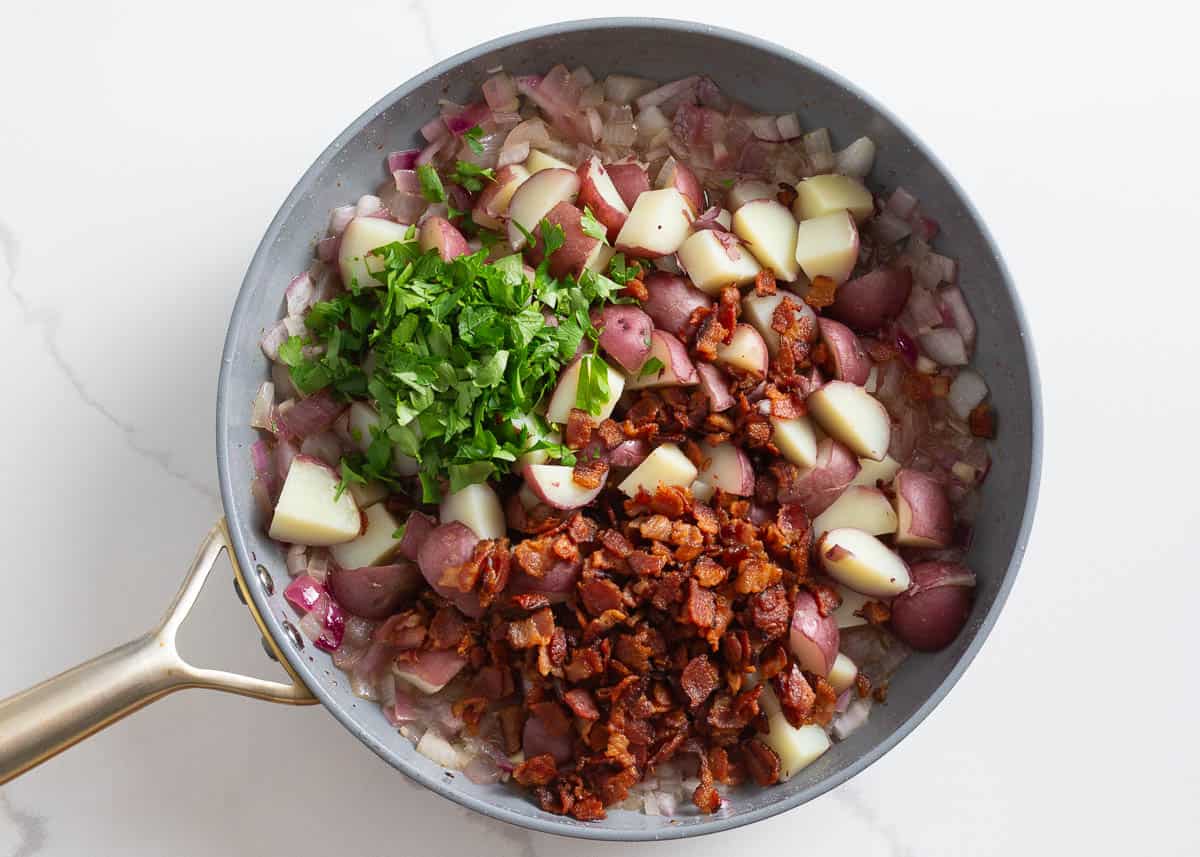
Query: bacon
x=710 y=335
x=537 y=771
x=709 y=572
x=581 y=703
x=646 y=565
x=729 y=307
x=769 y=612
x=636 y=289
x=599 y=595
x=764 y=283
x=701 y=606
x=616 y=543
x=820 y=292
x=796 y=696
x=656 y=528
x=535 y=630
x=762 y=762
x=535 y=556
x=579 y=429
x=698 y=680
x=827 y=597
x=755 y=575
x=610 y=434
x=706 y=798
x=448 y=629
x=982 y=421
x=581 y=529
x=530 y=600
x=589 y=473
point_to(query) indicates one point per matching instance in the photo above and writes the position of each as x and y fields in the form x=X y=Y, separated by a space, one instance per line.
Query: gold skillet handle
x=41 y=722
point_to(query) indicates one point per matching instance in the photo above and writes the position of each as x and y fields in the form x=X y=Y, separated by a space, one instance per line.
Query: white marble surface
x=145 y=145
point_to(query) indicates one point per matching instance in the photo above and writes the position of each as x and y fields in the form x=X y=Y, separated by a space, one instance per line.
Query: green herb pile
x=451 y=353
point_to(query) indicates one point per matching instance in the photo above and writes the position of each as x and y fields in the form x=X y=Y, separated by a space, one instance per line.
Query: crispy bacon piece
x=580 y=701
x=706 y=798
x=755 y=575
x=762 y=762
x=729 y=307
x=470 y=711
x=616 y=543
x=581 y=529
x=535 y=630
x=711 y=334
x=764 y=283
x=820 y=292
x=579 y=429
x=706 y=519
x=535 y=556
x=512 y=721
x=530 y=601
x=538 y=771
x=610 y=434
x=447 y=629
x=589 y=473
x=826 y=702
x=646 y=565
x=636 y=289
x=796 y=696
x=656 y=528
x=701 y=606
x=599 y=594
x=875 y=612
x=698 y=680
x=827 y=597
x=709 y=572
x=770 y=613
x=982 y=421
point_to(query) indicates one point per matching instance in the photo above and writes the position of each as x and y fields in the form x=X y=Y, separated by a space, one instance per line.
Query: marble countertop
x=143 y=149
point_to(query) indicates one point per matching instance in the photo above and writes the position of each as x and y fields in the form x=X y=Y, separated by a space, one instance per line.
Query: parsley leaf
x=592 y=392
x=593 y=227
x=292 y=351
x=431 y=184
x=472 y=137
x=621 y=271
x=651 y=367
x=471 y=176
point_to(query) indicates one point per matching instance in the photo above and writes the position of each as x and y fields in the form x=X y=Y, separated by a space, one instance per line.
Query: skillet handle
x=41 y=722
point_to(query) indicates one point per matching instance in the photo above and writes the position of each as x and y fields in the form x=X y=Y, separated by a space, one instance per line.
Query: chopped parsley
x=651 y=367
x=431 y=184
x=593 y=227
x=452 y=355
x=621 y=271
x=473 y=137
x=471 y=176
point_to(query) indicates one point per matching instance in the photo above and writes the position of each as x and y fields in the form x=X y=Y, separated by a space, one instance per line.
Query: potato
x=566 y=394
x=923 y=513
x=677 y=369
x=598 y=193
x=863 y=508
x=680 y=176
x=747 y=191
x=853 y=416
x=364 y=234
x=874 y=473
x=625 y=335
x=796 y=748
x=578 y=247
x=935 y=608
x=539 y=161
x=827 y=246
x=478 y=507
x=817 y=487
x=860 y=561
x=375 y=545
x=795 y=439
x=533 y=200
x=850 y=361
x=869 y=302
x=819 y=195
x=715 y=260
x=769 y=230
x=438 y=233
x=716 y=386
x=852 y=602
x=494 y=199
x=536 y=432
x=759 y=311
x=672 y=302
x=727 y=468
x=843 y=673
x=657 y=224
x=553 y=484
x=449 y=546
x=745 y=351
x=630 y=180
x=666 y=465
x=309 y=512
x=375 y=591
x=813 y=638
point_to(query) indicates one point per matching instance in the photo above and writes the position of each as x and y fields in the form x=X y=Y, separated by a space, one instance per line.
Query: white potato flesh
x=478 y=507
x=820 y=195
x=666 y=465
x=566 y=394
x=309 y=512
x=368 y=494
x=759 y=310
x=702 y=491
x=796 y=439
x=539 y=160
x=432 y=745
x=375 y=546
x=364 y=234
x=726 y=467
x=555 y=485
x=493 y=202
x=873 y=473
x=745 y=350
x=709 y=264
x=599 y=258
x=852 y=602
x=534 y=199
x=769 y=230
x=863 y=563
x=677 y=368
x=850 y=414
x=843 y=673
x=527 y=497
x=863 y=508
x=827 y=246
x=746 y=191
x=725 y=218
x=363 y=419
x=535 y=434
x=796 y=748
x=657 y=225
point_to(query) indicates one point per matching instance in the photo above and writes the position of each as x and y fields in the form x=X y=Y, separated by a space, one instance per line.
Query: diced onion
x=856 y=159
x=967 y=391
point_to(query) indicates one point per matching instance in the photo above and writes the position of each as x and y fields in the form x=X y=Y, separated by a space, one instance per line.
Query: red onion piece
x=515 y=154
x=967 y=390
x=676 y=91
x=901 y=203
x=264 y=467
x=340 y=218
x=406 y=181
x=464 y=120
x=328 y=247
x=945 y=346
x=500 y=92
x=300 y=294
x=788 y=126
x=303 y=593
x=957 y=314
x=310 y=416
x=433 y=130
x=430 y=152
x=272 y=339
x=263 y=408
x=405 y=159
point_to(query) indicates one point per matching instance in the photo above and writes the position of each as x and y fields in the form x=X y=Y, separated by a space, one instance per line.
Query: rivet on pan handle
x=41 y=722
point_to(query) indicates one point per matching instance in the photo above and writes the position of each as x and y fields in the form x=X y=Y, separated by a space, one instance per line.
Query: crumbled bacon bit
x=711 y=334
x=762 y=762
x=610 y=434
x=530 y=600
x=770 y=612
x=581 y=530
x=447 y=629
x=579 y=429
x=880 y=693
x=616 y=543
x=701 y=606
x=755 y=575
x=580 y=701
x=538 y=771
x=982 y=421
x=706 y=798
x=826 y=701
x=636 y=289
x=599 y=595
x=589 y=473
x=709 y=572
x=656 y=528
x=786 y=194
x=589 y=808
x=698 y=680
x=764 y=283
x=875 y=612
x=534 y=556
x=827 y=597
x=729 y=307
x=796 y=696
x=821 y=292
x=470 y=710
x=535 y=630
